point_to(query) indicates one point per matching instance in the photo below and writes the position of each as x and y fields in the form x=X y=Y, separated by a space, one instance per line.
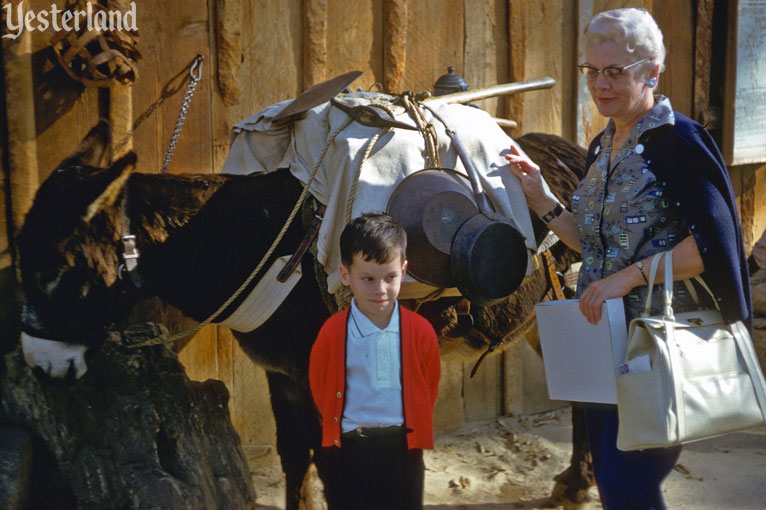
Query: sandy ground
x=509 y=463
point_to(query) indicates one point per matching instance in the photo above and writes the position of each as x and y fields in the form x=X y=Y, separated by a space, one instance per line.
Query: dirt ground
x=509 y=463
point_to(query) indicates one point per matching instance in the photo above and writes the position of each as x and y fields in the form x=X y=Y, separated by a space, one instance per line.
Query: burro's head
x=69 y=255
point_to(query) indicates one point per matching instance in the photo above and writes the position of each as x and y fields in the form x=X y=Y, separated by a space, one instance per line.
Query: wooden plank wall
x=258 y=52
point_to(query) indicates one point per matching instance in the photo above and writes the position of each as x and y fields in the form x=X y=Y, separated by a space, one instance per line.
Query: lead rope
x=167 y=339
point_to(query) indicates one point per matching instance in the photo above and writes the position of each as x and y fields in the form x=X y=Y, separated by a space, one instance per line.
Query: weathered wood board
x=745 y=114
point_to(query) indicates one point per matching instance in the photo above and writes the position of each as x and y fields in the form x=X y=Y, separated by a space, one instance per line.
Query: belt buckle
x=360 y=432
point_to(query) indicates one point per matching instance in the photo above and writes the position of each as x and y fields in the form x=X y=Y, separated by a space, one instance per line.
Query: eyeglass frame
x=585 y=68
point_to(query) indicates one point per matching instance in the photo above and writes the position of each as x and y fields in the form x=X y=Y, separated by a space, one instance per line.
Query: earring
x=651 y=82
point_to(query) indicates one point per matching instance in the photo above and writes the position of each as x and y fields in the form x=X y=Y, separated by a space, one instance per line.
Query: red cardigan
x=421 y=370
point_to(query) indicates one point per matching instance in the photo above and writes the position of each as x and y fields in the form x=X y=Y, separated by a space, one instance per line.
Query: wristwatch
x=640 y=266
x=551 y=215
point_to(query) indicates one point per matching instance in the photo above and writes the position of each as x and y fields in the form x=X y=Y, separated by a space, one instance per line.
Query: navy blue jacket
x=685 y=156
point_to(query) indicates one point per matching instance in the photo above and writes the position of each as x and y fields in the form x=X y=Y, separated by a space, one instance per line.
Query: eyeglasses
x=611 y=72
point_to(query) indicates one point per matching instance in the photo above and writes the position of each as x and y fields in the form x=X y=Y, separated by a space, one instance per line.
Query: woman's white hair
x=633 y=29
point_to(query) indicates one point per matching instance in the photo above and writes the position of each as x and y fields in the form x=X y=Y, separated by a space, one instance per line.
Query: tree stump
x=133 y=432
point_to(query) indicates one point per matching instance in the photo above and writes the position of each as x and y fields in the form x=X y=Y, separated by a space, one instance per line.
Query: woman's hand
x=540 y=198
x=613 y=286
x=531 y=181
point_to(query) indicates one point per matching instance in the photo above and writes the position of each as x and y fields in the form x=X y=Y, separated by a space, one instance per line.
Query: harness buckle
x=129 y=250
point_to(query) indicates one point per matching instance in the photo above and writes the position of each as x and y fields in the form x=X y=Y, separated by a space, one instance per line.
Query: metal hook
x=195 y=72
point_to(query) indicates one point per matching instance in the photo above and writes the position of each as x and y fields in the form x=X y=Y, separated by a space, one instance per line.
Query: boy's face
x=375 y=286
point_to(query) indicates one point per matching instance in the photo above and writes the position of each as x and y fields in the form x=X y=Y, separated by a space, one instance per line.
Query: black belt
x=394 y=430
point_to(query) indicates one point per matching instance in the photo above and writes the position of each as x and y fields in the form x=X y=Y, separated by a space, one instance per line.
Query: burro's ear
x=116 y=176
x=93 y=147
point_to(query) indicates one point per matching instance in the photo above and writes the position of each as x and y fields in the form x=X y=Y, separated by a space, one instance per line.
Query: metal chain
x=195 y=74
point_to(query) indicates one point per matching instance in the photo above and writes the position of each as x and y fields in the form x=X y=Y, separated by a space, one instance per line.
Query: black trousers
x=373 y=469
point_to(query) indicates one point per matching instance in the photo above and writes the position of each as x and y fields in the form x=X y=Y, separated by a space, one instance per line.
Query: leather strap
x=129 y=252
x=552 y=214
x=553 y=277
x=303 y=247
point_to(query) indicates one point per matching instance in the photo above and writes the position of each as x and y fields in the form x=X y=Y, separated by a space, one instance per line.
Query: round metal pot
x=488 y=259
x=431 y=205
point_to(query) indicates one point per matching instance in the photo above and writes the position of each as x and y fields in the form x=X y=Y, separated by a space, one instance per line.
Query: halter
x=129 y=253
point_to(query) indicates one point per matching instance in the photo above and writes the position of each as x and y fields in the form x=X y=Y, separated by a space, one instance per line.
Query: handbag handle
x=667 y=291
x=652 y=276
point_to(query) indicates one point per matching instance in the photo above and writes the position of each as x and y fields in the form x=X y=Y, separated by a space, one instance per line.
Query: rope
x=433 y=296
x=358 y=173
x=427 y=130
x=167 y=339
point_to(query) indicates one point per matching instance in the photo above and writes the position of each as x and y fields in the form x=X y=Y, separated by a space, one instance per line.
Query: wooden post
x=22 y=134
x=229 y=48
x=480 y=62
x=314 y=42
x=121 y=118
x=518 y=60
x=394 y=44
x=703 y=57
x=584 y=109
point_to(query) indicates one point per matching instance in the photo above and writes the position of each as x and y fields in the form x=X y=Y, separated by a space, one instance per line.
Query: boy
x=374 y=375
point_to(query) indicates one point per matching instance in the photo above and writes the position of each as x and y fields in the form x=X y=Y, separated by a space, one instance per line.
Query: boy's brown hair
x=376 y=236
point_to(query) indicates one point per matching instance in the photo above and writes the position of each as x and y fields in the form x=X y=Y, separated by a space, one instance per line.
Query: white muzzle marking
x=54 y=357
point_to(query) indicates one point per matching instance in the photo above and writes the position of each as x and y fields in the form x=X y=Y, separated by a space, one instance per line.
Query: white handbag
x=701 y=378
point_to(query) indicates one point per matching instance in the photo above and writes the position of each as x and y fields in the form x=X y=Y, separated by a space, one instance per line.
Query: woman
x=655 y=182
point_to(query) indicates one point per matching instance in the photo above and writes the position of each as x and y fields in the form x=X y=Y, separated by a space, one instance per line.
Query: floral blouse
x=622 y=214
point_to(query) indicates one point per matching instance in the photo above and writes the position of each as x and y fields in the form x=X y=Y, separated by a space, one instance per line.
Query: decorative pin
x=639 y=148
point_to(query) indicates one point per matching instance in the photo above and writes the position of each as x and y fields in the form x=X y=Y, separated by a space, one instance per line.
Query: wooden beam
x=703 y=60
x=229 y=49
x=584 y=117
x=480 y=62
x=22 y=135
x=314 y=42
x=394 y=44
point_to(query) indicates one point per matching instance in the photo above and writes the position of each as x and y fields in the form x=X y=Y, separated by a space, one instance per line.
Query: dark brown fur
x=200 y=236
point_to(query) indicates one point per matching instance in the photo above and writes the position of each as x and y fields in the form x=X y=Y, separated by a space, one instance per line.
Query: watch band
x=551 y=215
x=640 y=266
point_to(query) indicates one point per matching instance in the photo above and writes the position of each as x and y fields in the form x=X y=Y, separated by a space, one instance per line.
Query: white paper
x=637 y=365
x=582 y=360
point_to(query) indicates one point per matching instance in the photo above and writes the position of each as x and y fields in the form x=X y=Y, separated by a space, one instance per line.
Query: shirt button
x=338 y=395
x=336 y=442
x=335 y=419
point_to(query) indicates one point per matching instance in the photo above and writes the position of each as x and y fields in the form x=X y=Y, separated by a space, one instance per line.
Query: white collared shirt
x=373 y=372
